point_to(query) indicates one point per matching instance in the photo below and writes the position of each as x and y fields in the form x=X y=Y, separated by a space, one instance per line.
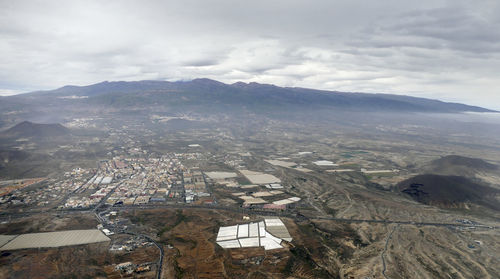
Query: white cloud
x=444 y=49
x=9 y=92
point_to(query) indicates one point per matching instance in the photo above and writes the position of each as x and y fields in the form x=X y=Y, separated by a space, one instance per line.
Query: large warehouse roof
x=54 y=239
x=268 y=234
x=259 y=177
x=6 y=238
x=220 y=174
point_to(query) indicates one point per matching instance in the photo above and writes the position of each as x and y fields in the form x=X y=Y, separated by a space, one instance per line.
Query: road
x=248 y=211
x=389 y=237
x=160 y=247
x=106 y=224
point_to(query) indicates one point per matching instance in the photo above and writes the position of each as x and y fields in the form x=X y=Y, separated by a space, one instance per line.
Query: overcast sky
x=444 y=49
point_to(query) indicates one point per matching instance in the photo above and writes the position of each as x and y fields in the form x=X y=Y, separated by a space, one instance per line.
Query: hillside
x=252 y=96
x=448 y=191
x=462 y=166
x=21 y=164
x=458 y=164
x=28 y=129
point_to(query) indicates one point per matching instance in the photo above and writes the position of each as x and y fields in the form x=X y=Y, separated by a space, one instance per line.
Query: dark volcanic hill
x=214 y=94
x=448 y=191
x=28 y=129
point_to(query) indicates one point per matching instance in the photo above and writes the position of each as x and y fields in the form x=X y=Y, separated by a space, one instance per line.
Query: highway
x=248 y=211
x=299 y=217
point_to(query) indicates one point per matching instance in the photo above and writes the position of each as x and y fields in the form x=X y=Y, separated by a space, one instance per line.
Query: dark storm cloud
x=408 y=47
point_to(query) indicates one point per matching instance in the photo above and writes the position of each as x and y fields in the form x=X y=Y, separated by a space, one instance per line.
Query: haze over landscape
x=261 y=139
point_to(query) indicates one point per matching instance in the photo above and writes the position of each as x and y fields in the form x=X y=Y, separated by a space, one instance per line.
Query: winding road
x=389 y=237
x=248 y=211
x=105 y=222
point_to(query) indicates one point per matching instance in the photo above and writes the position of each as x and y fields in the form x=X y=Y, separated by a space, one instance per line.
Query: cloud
x=446 y=48
x=9 y=92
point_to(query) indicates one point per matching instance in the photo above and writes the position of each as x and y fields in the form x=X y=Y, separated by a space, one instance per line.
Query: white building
x=268 y=234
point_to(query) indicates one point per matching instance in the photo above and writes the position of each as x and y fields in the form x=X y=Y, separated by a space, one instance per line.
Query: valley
x=363 y=194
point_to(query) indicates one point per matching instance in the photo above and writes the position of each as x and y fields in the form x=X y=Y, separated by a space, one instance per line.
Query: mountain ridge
x=210 y=91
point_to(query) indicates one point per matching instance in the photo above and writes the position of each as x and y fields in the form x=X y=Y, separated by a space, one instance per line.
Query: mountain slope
x=251 y=95
x=28 y=129
x=448 y=191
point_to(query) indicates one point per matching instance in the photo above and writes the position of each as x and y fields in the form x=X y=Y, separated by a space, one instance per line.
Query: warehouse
x=325 y=163
x=217 y=175
x=6 y=238
x=259 y=177
x=53 y=239
x=268 y=234
x=266 y=193
x=249 y=200
x=287 y=201
x=107 y=180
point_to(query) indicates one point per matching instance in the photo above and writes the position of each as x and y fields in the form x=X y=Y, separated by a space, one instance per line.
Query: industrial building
x=106 y=180
x=260 y=178
x=52 y=239
x=268 y=234
x=325 y=163
x=287 y=201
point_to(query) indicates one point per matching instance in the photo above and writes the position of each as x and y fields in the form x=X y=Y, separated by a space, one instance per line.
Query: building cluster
x=266 y=193
x=130 y=244
x=131 y=181
x=194 y=185
x=9 y=186
x=81 y=123
x=95 y=189
x=234 y=160
x=51 y=192
x=265 y=199
x=120 y=181
x=150 y=181
x=130 y=268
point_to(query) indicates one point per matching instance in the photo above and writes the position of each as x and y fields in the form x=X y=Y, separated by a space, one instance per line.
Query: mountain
x=28 y=129
x=252 y=96
x=459 y=165
x=448 y=191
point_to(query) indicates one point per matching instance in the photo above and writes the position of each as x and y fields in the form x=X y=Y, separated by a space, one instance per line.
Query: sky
x=441 y=49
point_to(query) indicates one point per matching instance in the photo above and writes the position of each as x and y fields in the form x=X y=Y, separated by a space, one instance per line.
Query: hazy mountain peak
x=27 y=129
x=250 y=95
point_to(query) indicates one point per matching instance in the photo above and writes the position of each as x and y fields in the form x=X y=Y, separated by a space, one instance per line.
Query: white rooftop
x=220 y=174
x=54 y=239
x=229 y=244
x=324 y=163
x=249 y=242
x=274 y=222
x=287 y=201
x=259 y=177
x=254 y=235
x=106 y=180
x=227 y=233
